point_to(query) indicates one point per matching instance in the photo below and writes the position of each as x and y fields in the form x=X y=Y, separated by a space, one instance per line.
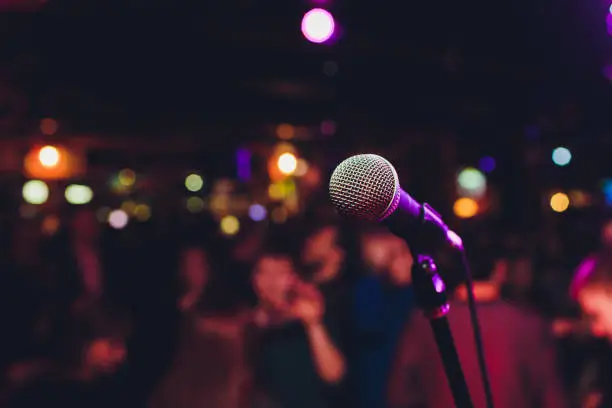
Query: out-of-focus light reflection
x=287 y=163
x=559 y=202
x=142 y=212
x=194 y=182
x=195 y=204
x=561 y=156
x=230 y=225
x=318 y=25
x=77 y=194
x=49 y=156
x=257 y=212
x=118 y=219
x=465 y=207
x=126 y=177
x=35 y=192
x=50 y=225
x=279 y=215
x=48 y=126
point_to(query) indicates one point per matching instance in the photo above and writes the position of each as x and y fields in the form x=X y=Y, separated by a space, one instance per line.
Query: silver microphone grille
x=365 y=187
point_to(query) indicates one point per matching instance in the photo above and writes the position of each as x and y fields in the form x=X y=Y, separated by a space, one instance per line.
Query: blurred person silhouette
x=518 y=347
x=209 y=365
x=591 y=287
x=86 y=374
x=296 y=359
x=383 y=300
x=23 y=294
x=331 y=261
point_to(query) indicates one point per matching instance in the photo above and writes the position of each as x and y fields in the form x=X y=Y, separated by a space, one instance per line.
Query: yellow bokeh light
x=230 y=225
x=559 y=202
x=194 y=182
x=285 y=131
x=127 y=177
x=465 y=207
x=277 y=191
x=78 y=194
x=142 y=212
x=287 y=163
x=50 y=225
x=195 y=204
x=128 y=207
x=35 y=192
x=49 y=156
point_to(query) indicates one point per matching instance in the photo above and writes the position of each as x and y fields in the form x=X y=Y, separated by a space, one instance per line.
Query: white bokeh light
x=118 y=219
x=318 y=25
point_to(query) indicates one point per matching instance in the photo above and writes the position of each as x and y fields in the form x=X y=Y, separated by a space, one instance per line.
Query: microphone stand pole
x=430 y=292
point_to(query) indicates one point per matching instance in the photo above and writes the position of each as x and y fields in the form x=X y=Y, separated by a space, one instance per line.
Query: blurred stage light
x=35 y=192
x=257 y=212
x=50 y=225
x=318 y=25
x=465 y=207
x=78 y=194
x=471 y=182
x=279 y=215
x=561 y=156
x=126 y=177
x=142 y=212
x=195 y=204
x=302 y=168
x=487 y=164
x=559 y=202
x=230 y=225
x=49 y=156
x=48 y=126
x=285 y=131
x=118 y=219
x=194 y=182
x=287 y=163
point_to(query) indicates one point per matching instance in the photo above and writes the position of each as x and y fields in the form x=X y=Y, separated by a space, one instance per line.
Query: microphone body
x=367 y=187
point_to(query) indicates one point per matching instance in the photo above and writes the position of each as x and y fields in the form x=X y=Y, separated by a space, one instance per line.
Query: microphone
x=366 y=187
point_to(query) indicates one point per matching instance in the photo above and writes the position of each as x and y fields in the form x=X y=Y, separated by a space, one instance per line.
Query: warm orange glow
x=52 y=163
x=465 y=207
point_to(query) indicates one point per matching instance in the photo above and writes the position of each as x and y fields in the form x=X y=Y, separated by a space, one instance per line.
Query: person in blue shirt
x=382 y=302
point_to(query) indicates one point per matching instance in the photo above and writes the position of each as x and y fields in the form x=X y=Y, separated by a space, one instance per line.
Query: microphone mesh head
x=365 y=187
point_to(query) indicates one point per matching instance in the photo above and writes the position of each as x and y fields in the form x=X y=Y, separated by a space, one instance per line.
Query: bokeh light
x=561 y=156
x=194 y=182
x=318 y=25
x=35 y=192
x=126 y=177
x=257 y=212
x=471 y=182
x=77 y=194
x=49 y=156
x=230 y=225
x=285 y=131
x=465 y=207
x=195 y=204
x=118 y=219
x=142 y=212
x=287 y=163
x=48 y=126
x=279 y=215
x=487 y=164
x=606 y=187
x=559 y=202
x=50 y=225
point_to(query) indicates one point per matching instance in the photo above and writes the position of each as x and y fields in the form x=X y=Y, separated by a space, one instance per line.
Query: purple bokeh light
x=318 y=25
x=487 y=164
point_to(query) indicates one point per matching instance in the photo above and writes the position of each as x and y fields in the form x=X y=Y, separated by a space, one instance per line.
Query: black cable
x=482 y=364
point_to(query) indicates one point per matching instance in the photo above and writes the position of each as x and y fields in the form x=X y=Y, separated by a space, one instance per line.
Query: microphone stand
x=430 y=292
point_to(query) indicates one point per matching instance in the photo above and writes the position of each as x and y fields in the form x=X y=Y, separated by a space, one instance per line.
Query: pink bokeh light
x=318 y=25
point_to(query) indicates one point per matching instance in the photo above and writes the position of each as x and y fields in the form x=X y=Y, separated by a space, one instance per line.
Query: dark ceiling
x=152 y=65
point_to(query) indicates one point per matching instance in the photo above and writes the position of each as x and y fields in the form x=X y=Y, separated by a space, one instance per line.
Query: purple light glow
x=438 y=284
x=318 y=25
x=243 y=164
x=487 y=164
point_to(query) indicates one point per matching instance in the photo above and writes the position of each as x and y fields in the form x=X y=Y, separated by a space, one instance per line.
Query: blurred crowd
x=313 y=314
